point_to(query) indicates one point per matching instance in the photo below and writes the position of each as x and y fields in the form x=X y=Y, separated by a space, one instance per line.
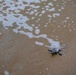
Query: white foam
x=49 y=16
x=32 y=17
x=15 y=30
x=56 y=14
x=1 y=0
x=6 y=73
x=37 y=31
x=33 y=25
x=32 y=12
x=29 y=34
x=52 y=9
x=50 y=4
x=43 y=0
x=21 y=20
x=39 y=43
x=30 y=1
x=67 y=17
x=47 y=6
x=37 y=7
x=36 y=13
x=43 y=11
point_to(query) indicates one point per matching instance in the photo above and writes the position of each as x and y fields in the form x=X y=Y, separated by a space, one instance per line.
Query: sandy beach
x=21 y=55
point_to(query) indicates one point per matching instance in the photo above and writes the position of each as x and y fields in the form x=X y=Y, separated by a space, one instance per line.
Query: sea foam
x=13 y=15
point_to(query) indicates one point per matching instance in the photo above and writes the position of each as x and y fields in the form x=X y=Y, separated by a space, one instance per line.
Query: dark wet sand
x=20 y=56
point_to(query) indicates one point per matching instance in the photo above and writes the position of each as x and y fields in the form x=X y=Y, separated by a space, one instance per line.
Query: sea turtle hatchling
x=55 y=51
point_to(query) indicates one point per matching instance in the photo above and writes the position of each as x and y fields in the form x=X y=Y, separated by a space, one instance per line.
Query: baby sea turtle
x=54 y=51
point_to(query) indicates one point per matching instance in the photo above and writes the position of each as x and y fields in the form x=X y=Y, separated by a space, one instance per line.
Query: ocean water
x=29 y=15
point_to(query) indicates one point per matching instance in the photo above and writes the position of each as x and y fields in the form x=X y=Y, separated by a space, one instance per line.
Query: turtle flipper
x=60 y=54
x=50 y=50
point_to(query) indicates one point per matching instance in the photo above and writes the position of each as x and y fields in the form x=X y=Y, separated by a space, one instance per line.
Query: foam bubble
x=50 y=4
x=56 y=14
x=6 y=73
x=67 y=17
x=37 y=31
x=39 y=43
x=43 y=11
x=52 y=9
x=31 y=13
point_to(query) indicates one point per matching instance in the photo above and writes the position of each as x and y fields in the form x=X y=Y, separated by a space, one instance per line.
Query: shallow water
x=29 y=28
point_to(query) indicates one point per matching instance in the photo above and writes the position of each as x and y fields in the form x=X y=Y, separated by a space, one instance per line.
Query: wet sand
x=19 y=55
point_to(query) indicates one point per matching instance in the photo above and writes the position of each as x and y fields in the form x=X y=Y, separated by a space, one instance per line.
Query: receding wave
x=28 y=14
